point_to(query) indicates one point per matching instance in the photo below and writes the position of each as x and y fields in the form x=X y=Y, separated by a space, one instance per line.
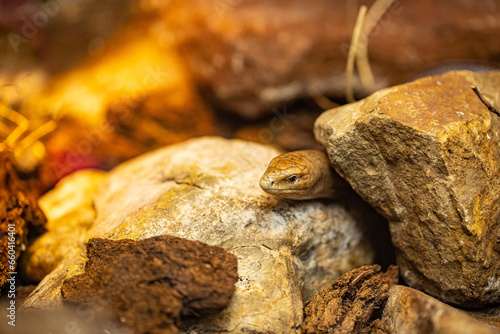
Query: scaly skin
x=302 y=175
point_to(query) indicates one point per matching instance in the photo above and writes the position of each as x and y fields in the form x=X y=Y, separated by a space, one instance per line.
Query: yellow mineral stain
x=477 y=227
x=251 y=288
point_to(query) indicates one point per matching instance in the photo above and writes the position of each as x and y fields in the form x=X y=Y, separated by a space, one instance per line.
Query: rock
x=207 y=189
x=426 y=155
x=48 y=28
x=83 y=319
x=290 y=129
x=158 y=118
x=133 y=65
x=70 y=213
x=113 y=110
x=264 y=54
x=149 y=284
x=488 y=315
x=350 y=304
x=411 y=311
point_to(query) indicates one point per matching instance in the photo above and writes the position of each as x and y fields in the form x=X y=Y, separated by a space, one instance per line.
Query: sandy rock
x=489 y=315
x=207 y=190
x=70 y=213
x=426 y=156
x=411 y=311
x=251 y=56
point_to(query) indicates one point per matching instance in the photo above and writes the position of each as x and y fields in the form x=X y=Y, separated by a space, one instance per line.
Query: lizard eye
x=292 y=178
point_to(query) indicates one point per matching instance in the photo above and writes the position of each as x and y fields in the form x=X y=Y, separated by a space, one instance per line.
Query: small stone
x=70 y=213
x=426 y=155
x=350 y=304
x=207 y=189
x=149 y=284
x=411 y=311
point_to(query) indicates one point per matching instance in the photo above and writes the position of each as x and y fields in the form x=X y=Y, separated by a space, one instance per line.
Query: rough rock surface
x=251 y=56
x=426 y=155
x=351 y=303
x=149 y=284
x=207 y=190
x=411 y=311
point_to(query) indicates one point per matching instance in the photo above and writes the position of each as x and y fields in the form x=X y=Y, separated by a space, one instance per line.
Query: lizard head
x=297 y=175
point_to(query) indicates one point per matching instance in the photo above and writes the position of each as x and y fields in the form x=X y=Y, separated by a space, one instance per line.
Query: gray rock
x=413 y=312
x=208 y=190
x=426 y=155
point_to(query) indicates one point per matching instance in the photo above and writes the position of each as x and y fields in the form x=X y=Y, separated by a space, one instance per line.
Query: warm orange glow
x=130 y=68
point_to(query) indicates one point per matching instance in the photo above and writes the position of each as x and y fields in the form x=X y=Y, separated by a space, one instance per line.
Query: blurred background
x=87 y=83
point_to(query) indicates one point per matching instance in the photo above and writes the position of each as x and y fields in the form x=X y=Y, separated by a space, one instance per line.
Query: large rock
x=207 y=190
x=251 y=56
x=413 y=312
x=426 y=155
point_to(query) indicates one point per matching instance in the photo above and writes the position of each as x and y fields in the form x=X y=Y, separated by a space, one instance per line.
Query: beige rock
x=426 y=155
x=208 y=190
x=488 y=315
x=413 y=312
x=70 y=213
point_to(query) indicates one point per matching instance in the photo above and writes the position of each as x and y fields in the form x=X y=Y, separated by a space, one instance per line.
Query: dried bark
x=351 y=302
x=150 y=284
x=20 y=217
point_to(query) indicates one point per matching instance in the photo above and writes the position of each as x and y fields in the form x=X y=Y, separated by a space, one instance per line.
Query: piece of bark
x=150 y=284
x=20 y=217
x=351 y=302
